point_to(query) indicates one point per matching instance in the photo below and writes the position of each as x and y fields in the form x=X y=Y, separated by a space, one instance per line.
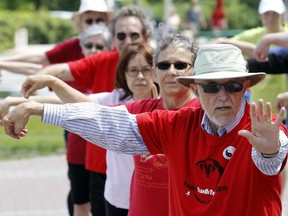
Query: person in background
x=93 y=40
x=272 y=19
x=89 y=13
x=262 y=48
x=173 y=21
x=206 y=172
x=194 y=18
x=218 y=18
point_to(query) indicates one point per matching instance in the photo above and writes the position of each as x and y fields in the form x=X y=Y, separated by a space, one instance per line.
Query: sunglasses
x=122 y=36
x=177 y=65
x=91 y=45
x=90 y=21
x=230 y=87
x=133 y=72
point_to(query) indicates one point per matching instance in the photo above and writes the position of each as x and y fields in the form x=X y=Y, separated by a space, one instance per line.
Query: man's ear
x=246 y=84
x=194 y=87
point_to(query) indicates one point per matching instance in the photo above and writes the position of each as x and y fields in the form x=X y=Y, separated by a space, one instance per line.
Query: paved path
x=34 y=187
x=38 y=187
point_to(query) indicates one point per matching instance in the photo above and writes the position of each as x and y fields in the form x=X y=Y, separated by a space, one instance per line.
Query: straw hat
x=90 y=5
x=271 y=5
x=218 y=62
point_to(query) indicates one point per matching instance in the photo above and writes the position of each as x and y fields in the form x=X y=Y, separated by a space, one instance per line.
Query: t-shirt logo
x=228 y=152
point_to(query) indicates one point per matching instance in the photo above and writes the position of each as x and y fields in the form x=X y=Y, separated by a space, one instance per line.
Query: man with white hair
x=224 y=158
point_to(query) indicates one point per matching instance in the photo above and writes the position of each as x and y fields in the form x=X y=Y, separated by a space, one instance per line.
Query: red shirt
x=149 y=184
x=68 y=50
x=202 y=179
x=96 y=72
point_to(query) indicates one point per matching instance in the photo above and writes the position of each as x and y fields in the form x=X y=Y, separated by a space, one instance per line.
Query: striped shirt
x=105 y=126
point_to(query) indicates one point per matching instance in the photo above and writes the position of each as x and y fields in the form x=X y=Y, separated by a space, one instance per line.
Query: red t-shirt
x=97 y=72
x=149 y=183
x=205 y=176
x=66 y=51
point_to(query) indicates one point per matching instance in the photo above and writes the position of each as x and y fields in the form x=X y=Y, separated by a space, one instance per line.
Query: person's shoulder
x=105 y=55
x=146 y=105
x=249 y=33
x=71 y=41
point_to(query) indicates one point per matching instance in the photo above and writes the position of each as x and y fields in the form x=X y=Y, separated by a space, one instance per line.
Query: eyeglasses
x=177 y=65
x=230 y=87
x=91 y=45
x=90 y=21
x=122 y=36
x=134 y=72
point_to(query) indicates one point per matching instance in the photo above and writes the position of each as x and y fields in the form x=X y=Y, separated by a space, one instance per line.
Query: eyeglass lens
x=97 y=46
x=177 y=65
x=90 y=21
x=133 y=72
x=122 y=36
x=215 y=87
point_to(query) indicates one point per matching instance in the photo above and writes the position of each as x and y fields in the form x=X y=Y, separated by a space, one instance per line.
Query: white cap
x=271 y=5
x=90 y=5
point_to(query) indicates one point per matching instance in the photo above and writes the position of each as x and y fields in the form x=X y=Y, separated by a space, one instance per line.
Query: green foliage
x=42 y=28
x=41 y=140
x=240 y=14
x=33 y=5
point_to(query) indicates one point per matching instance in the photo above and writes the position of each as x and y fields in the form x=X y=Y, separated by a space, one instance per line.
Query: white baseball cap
x=277 y=6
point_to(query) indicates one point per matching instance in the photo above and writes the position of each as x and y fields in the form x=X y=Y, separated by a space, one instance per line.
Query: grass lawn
x=42 y=139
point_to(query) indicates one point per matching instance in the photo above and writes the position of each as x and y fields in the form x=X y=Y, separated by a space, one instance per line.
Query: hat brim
x=254 y=78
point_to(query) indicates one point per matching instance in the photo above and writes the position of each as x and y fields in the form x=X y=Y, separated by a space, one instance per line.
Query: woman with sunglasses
x=94 y=39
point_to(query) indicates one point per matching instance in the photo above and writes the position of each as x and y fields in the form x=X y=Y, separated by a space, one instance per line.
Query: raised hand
x=264 y=135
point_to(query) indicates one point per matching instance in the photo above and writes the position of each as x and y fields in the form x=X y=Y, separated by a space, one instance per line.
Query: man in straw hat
x=224 y=158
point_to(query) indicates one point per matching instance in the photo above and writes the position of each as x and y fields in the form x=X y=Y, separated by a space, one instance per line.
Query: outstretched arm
x=20 y=67
x=262 y=48
x=247 y=48
x=61 y=71
x=10 y=101
x=36 y=58
x=276 y=64
x=66 y=93
x=113 y=128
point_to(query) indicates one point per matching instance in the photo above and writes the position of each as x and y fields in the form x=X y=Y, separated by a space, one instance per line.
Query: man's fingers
x=247 y=134
x=9 y=129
